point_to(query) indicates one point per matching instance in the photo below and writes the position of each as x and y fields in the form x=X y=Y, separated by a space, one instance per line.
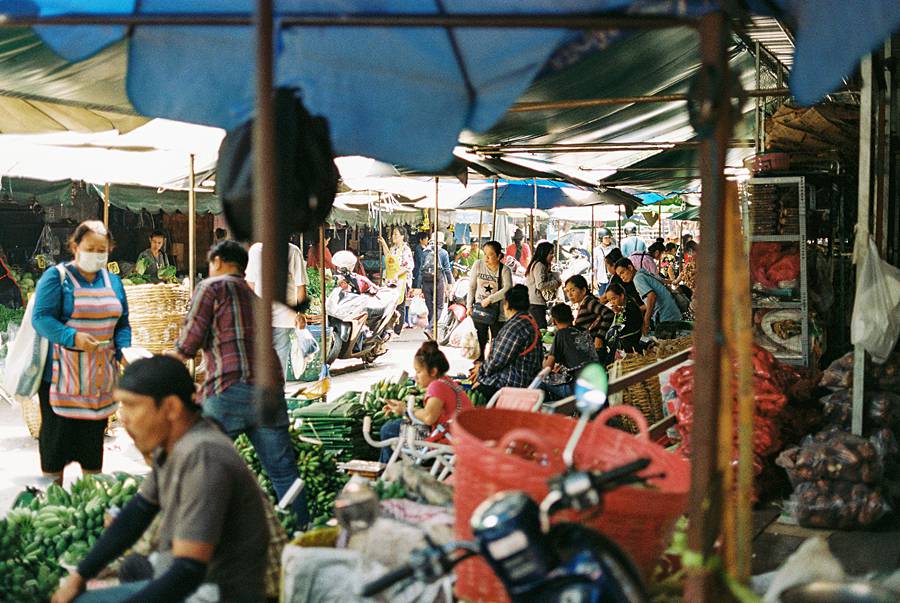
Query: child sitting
x=573 y=348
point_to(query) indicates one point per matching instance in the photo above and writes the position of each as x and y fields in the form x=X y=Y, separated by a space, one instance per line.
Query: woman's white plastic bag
x=418 y=307
x=876 y=311
x=462 y=329
x=303 y=345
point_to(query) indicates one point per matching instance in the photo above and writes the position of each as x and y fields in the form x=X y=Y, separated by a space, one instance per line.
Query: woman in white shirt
x=542 y=282
x=489 y=280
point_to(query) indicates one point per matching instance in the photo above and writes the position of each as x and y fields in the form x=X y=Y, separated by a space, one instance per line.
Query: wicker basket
x=670 y=347
x=156 y=314
x=645 y=396
x=31 y=414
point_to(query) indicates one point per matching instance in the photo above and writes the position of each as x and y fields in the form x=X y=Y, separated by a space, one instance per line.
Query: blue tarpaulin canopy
x=423 y=85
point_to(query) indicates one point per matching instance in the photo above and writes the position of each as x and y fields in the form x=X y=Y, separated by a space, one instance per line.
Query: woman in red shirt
x=444 y=398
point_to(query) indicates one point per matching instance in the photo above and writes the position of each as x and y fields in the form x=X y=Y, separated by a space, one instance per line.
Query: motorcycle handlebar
x=618 y=476
x=387 y=580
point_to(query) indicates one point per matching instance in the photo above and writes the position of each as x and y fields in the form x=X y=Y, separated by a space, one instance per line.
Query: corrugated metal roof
x=775 y=38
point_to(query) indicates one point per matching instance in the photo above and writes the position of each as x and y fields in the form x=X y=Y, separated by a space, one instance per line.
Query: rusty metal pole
x=706 y=479
x=106 y=207
x=494 y=212
x=593 y=272
x=324 y=336
x=192 y=223
x=531 y=221
x=268 y=389
x=437 y=261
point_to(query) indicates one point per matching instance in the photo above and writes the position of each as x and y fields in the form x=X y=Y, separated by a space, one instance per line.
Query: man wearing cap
x=213 y=530
x=632 y=243
x=519 y=249
x=600 y=252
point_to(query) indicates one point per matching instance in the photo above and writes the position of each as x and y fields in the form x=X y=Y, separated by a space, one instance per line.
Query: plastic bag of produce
x=837 y=504
x=418 y=307
x=461 y=331
x=876 y=311
x=839 y=374
x=833 y=455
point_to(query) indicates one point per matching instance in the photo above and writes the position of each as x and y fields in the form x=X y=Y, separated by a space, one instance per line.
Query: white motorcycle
x=361 y=315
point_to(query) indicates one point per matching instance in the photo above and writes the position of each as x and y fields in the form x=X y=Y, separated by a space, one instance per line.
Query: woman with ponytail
x=444 y=398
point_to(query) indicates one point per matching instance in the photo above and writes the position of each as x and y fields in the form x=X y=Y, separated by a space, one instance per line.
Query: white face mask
x=92 y=262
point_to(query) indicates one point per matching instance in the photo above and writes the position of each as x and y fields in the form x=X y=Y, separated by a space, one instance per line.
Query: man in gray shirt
x=659 y=303
x=214 y=526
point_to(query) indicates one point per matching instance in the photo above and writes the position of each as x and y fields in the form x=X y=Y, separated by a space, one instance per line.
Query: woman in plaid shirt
x=516 y=354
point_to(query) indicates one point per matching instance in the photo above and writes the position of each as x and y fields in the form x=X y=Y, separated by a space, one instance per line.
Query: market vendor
x=659 y=303
x=220 y=322
x=444 y=398
x=516 y=353
x=154 y=258
x=213 y=528
x=592 y=315
x=81 y=309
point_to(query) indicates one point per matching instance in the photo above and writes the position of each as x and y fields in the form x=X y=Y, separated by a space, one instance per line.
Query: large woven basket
x=156 y=314
x=670 y=347
x=646 y=396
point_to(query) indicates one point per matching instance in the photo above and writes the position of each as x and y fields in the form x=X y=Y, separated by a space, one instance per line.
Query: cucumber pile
x=477 y=398
x=45 y=529
x=318 y=469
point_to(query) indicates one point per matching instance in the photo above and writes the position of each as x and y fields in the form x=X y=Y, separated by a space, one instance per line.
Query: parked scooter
x=538 y=563
x=456 y=308
x=361 y=314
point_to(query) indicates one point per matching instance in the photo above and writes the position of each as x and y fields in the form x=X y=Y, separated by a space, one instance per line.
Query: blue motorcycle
x=537 y=562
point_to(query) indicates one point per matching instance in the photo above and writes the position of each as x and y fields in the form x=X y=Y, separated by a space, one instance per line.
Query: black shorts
x=63 y=440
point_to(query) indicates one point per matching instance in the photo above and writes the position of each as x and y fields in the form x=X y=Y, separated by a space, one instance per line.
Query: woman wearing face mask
x=82 y=310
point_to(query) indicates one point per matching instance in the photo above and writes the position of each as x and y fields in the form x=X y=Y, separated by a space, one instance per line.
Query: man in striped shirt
x=220 y=322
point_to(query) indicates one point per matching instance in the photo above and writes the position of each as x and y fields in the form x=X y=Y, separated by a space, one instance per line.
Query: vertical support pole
x=863 y=220
x=269 y=392
x=619 y=216
x=660 y=218
x=380 y=235
x=531 y=220
x=106 y=209
x=324 y=336
x=593 y=238
x=494 y=211
x=480 y=222
x=758 y=123
x=192 y=223
x=706 y=477
x=437 y=261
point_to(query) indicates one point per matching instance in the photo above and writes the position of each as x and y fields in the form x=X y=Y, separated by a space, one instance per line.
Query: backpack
x=428 y=262
x=305 y=175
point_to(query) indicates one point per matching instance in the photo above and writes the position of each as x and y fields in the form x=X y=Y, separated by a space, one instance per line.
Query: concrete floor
x=20 y=463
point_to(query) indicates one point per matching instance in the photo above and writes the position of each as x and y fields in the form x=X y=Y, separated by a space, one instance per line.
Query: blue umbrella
x=519 y=194
x=402 y=95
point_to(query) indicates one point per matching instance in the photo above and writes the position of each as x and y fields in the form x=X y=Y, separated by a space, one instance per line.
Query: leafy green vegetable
x=8 y=315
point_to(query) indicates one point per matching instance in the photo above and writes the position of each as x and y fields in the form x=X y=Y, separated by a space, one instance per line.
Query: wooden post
x=192 y=223
x=480 y=222
x=269 y=393
x=106 y=206
x=619 y=217
x=705 y=498
x=494 y=211
x=437 y=262
x=660 y=219
x=324 y=336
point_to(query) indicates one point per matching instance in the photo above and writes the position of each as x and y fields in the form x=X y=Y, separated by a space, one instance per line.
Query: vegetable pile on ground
x=44 y=530
x=772 y=382
x=318 y=470
x=373 y=401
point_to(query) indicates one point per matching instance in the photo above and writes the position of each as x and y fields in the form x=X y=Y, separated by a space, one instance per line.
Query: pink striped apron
x=83 y=382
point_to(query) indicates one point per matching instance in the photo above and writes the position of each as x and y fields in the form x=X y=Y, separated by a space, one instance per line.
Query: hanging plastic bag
x=876 y=311
x=418 y=307
x=461 y=331
x=303 y=345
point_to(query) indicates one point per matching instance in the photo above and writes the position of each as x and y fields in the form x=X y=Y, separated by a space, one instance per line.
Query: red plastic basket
x=639 y=520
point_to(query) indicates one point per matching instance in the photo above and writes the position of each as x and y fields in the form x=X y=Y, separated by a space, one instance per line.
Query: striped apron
x=83 y=382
